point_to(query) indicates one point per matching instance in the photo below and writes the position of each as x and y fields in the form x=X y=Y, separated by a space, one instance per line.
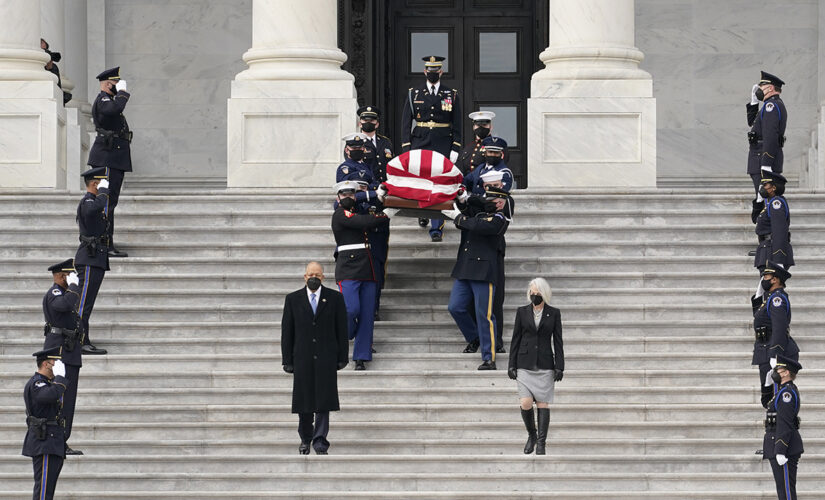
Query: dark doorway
x=491 y=46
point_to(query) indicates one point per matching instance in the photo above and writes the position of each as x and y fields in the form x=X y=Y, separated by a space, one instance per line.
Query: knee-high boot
x=544 y=423
x=530 y=424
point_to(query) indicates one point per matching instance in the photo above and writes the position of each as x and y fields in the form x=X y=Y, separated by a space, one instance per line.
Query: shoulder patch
x=345 y=170
x=776 y=204
x=769 y=107
x=55 y=291
x=777 y=301
x=40 y=384
x=105 y=99
x=786 y=397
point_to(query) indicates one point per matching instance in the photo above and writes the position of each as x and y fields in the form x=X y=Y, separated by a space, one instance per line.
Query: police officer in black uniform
x=436 y=111
x=773 y=224
x=771 y=324
x=472 y=155
x=111 y=147
x=767 y=134
x=64 y=331
x=377 y=148
x=44 y=441
x=92 y=257
x=782 y=444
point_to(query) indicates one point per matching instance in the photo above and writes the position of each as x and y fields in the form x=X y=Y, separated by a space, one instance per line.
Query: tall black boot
x=530 y=424
x=544 y=423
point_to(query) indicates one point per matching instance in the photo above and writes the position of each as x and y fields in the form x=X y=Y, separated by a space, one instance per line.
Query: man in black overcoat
x=314 y=346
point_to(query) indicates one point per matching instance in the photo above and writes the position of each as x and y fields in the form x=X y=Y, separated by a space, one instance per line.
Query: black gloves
x=288 y=368
x=512 y=373
x=559 y=374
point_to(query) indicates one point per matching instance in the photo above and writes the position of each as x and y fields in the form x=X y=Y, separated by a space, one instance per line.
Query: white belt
x=354 y=246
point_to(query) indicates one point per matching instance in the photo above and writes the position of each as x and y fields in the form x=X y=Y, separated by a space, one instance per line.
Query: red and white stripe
x=423 y=175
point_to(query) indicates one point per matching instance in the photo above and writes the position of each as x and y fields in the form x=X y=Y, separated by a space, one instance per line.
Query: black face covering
x=481 y=132
x=493 y=160
x=766 y=285
x=347 y=203
x=368 y=127
x=777 y=378
x=760 y=94
x=313 y=283
x=356 y=154
x=536 y=299
x=433 y=76
x=763 y=191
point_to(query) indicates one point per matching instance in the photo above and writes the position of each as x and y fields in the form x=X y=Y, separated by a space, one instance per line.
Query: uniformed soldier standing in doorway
x=64 y=330
x=111 y=147
x=44 y=441
x=767 y=134
x=782 y=444
x=92 y=257
x=436 y=111
x=472 y=156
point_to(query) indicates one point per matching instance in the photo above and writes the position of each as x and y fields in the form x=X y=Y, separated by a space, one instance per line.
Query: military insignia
x=777 y=301
x=348 y=213
x=323 y=300
x=345 y=170
x=786 y=397
x=776 y=204
x=769 y=107
x=40 y=384
x=55 y=292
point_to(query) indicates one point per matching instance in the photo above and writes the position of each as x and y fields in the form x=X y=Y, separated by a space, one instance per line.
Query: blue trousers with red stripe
x=359 y=296
x=46 y=470
x=90 y=280
x=785 y=478
x=471 y=306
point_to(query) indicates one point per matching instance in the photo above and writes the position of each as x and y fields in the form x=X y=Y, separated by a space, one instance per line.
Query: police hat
x=482 y=116
x=355 y=140
x=787 y=363
x=110 y=74
x=369 y=112
x=67 y=266
x=50 y=353
x=771 y=79
x=433 y=62
x=772 y=267
x=773 y=178
x=494 y=192
x=491 y=143
x=344 y=186
x=95 y=173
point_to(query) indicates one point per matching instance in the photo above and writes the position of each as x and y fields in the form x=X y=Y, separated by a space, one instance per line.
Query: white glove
x=766 y=168
x=773 y=362
x=453 y=156
x=72 y=279
x=390 y=212
x=381 y=192
x=754 y=100
x=59 y=369
x=121 y=85
x=781 y=459
x=462 y=195
x=104 y=183
x=451 y=214
x=768 y=379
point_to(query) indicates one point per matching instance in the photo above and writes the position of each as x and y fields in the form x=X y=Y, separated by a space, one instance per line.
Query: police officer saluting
x=111 y=147
x=436 y=111
x=773 y=225
x=64 y=331
x=782 y=444
x=767 y=134
x=377 y=148
x=44 y=441
x=92 y=258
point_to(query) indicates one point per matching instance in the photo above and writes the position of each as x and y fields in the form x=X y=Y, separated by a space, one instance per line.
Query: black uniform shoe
x=436 y=238
x=70 y=451
x=90 y=349
x=304 y=449
x=500 y=349
x=423 y=222
x=114 y=252
x=472 y=347
x=359 y=365
x=321 y=452
x=487 y=365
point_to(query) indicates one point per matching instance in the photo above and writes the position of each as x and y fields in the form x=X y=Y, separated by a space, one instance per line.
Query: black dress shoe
x=304 y=449
x=500 y=349
x=423 y=222
x=114 y=252
x=90 y=349
x=487 y=365
x=471 y=347
x=436 y=238
x=70 y=451
x=321 y=452
x=359 y=365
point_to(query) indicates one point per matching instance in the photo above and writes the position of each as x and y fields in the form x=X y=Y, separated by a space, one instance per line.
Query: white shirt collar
x=316 y=292
x=437 y=86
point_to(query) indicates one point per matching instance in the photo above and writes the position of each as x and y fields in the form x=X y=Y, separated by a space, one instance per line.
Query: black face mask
x=760 y=94
x=313 y=283
x=777 y=378
x=490 y=207
x=356 y=154
x=481 y=132
x=493 y=160
x=763 y=191
x=766 y=285
x=347 y=203
x=433 y=76
x=536 y=299
x=368 y=127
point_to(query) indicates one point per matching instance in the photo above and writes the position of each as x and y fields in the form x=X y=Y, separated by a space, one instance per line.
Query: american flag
x=423 y=175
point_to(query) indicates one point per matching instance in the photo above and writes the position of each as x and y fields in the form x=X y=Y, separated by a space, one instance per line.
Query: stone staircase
x=659 y=399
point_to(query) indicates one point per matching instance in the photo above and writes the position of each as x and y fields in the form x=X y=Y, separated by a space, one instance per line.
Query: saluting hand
x=72 y=279
x=104 y=184
x=59 y=369
x=121 y=85
x=754 y=100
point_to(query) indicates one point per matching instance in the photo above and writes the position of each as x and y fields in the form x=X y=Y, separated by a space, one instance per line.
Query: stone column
x=288 y=111
x=32 y=118
x=591 y=112
x=53 y=30
x=78 y=110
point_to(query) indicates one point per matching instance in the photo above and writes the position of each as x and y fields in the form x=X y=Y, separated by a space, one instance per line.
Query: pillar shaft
x=21 y=58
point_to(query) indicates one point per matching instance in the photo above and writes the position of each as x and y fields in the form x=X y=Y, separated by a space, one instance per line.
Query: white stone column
x=288 y=111
x=53 y=30
x=78 y=110
x=32 y=118
x=591 y=112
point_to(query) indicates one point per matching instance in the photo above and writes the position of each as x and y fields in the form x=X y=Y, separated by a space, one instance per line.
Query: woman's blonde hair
x=543 y=287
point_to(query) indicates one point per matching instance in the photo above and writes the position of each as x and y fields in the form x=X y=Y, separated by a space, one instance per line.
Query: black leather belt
x=764 y=237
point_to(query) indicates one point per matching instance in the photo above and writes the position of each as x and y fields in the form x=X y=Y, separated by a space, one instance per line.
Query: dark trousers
x=90 y=280
x=767 y=392
x=115 y=183
x=757 y=181
x=471 y=306
x=436 y=226
x=315 y=433
x=69 y=397
x=359 y=296
x=46 y=470
x=785 y=478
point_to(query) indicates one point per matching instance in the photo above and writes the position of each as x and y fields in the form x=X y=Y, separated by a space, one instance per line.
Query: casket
x=421 y=183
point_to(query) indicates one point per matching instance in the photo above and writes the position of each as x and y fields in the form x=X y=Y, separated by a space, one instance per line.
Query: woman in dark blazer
x=536 y=360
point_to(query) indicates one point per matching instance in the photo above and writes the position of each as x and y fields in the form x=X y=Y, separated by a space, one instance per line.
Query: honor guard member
x=472 y=155
x=354 y=168
x=772 y=326
x=436 y=111
x=355 y=271
x=767 y=134
x=773 y=225
x=377 y=148
x=475 y=273
x=494 y=148
x=64 y=331
x=782 y=444
x=44 y=441
x=92 y=257
x=111 y=147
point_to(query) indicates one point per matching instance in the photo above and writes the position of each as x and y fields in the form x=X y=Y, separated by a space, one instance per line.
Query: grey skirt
x=536 y=384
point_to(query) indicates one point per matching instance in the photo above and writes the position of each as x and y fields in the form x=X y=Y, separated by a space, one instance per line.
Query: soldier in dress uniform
x=44 y=441
x=64 y=331
x=767 y=134
x=354 y=168
x=436 y=111
x=782 y=444
x=472 y=155
x=773 y=224
x=494 y=148
x=771 y=325
x=355 y=271
x=92 y=257
x=111 y=147
x=377 y=148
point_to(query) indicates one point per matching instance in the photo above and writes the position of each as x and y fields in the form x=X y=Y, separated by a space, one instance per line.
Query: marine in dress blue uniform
x=771 y=324
x=782 y=444
x=92 y=257
x=64 y=330
x=45 y=442
x=355 y=271
x=773 y=224
x=111 y=147
x=436 y=111
x=377 y=148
